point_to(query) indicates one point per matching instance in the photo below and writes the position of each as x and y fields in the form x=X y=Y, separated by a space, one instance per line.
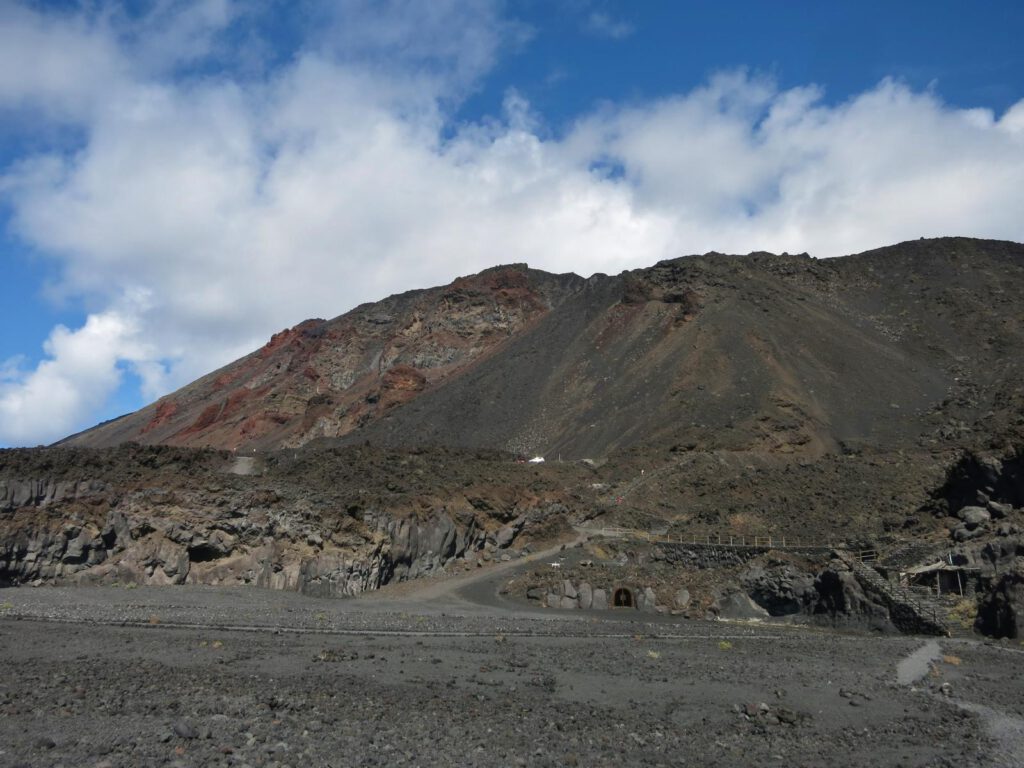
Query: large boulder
x=782 y=591
x=964 y=533
x=738 y=605
x=999 y=510
x=974 y=516
x=682 y=599
x=646 y=600
x=841 y=599
x=586 y=596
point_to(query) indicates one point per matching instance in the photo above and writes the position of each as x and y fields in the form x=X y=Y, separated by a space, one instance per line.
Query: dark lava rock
x=1001 y=613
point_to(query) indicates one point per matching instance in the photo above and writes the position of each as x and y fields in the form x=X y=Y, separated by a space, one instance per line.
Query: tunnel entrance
x=622 y=597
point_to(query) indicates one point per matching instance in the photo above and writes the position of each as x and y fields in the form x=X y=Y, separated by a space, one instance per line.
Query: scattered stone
x=185 y=730
x=787 y=716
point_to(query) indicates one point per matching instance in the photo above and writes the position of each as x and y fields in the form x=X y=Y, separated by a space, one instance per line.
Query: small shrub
x=964 y=613
x=724 y=645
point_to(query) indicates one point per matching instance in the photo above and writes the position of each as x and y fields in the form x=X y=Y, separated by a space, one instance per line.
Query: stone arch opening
x=622 y=597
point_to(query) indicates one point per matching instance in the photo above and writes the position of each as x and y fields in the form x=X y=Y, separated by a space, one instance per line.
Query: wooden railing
x=770 y=541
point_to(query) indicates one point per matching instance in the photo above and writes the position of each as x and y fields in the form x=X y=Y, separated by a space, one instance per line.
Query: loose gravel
x=234 y=677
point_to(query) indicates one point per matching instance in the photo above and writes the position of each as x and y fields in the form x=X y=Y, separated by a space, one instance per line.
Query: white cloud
x=603 y=25
x=56 y=63
x=202 y=215
x=81 y=372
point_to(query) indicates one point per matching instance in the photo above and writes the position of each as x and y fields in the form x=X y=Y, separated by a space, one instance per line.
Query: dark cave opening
x=623 y=598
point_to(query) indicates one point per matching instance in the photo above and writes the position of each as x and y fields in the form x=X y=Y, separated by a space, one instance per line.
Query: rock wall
x=15 y=494
x=834 y=596
x=1001 y=612
x=570 y=595
x=83 y=533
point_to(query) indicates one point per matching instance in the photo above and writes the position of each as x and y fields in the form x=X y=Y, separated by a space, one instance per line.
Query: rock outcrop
x=142 y=520
x=265 y=549
x=1001 y=612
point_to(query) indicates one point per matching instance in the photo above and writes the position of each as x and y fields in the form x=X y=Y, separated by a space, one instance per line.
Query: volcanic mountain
x=910 y=346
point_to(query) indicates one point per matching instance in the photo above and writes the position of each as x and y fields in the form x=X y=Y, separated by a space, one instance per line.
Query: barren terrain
x=773 y=465
x=212 y=676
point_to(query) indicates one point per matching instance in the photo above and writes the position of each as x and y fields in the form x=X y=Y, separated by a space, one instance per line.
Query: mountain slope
x=331 y=377
x=912 y=345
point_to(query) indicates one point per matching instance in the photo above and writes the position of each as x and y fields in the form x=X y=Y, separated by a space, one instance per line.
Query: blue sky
x=181 y=178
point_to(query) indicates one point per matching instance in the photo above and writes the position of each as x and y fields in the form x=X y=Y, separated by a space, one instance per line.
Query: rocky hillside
x=873 y=400
x=329 y=378
x=912 y=346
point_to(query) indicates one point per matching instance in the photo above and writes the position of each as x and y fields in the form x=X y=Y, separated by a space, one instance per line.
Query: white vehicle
x=537 y=460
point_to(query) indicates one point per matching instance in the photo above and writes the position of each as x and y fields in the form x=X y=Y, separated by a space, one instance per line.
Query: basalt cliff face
x=912 y=346
x=329 y=524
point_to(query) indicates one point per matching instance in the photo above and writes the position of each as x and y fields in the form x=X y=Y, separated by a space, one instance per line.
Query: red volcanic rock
x=327 y=378
x=206 y=418
x=165 y=411
x=404 y=378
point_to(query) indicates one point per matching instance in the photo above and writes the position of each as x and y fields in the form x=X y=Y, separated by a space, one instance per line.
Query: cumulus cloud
x=201 y=214
x=79 y=374
x=59 y=64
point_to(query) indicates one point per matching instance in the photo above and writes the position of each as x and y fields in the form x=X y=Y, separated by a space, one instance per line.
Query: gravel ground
x=205 y=676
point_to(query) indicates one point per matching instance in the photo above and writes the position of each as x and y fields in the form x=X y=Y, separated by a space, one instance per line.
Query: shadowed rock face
x=914 y=345
x=1001 y=613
